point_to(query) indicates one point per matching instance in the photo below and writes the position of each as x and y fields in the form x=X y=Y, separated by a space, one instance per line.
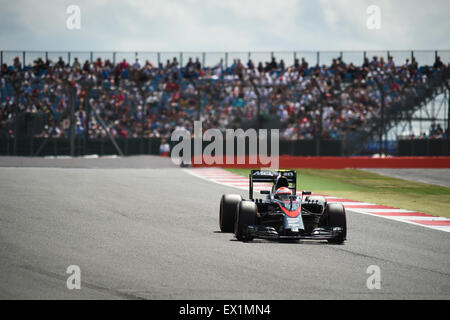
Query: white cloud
x=405 y=24
x=216 y=25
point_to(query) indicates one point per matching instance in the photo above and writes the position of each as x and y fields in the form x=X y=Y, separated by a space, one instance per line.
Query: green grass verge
x=371 y=187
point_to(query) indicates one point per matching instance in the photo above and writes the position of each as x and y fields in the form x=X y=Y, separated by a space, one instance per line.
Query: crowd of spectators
x=139 y=99
x=435 y=132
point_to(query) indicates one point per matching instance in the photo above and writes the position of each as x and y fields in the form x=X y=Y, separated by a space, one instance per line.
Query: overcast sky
x=231 y=25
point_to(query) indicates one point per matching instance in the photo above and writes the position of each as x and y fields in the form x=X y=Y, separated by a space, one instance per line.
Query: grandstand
x=323 y=103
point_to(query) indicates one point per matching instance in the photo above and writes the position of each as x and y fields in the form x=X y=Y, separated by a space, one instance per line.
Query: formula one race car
x=283 y=214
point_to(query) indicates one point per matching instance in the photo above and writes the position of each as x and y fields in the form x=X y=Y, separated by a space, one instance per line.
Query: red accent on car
x=292 y=214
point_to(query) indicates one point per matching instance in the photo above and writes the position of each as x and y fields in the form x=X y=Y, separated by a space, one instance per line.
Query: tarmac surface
x=153 y=234
x=440 y=177
x=92 y=162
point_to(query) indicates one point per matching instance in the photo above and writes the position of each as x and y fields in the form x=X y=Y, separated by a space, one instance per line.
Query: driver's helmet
x=283 y=193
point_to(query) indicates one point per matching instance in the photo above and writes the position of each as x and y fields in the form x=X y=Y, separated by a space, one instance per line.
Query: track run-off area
x=140 y=228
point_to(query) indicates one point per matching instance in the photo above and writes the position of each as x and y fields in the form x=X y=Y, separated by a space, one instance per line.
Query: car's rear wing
x=270 y=177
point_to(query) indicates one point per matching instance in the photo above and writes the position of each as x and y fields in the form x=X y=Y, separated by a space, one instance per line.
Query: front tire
x=228 y=210
x=336 y=218
x=246 y=216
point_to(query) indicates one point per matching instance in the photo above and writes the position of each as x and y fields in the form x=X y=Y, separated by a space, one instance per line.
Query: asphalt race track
x=152 y=233
x=440 y=177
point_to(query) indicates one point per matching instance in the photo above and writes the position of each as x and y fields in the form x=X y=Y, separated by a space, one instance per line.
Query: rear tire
x=228 y=210
x=336 y=218
x=246 y=216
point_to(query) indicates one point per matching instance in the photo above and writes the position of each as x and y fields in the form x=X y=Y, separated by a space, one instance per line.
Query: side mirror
x=264 y=192
x=306 y=193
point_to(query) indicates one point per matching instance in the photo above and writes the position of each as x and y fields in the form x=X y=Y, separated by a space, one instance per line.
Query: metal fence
x=424 y=147
x=135 y=146
x=209 y=59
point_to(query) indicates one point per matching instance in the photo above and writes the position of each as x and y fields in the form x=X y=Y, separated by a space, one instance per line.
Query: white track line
x=385 y=210
x=406 y=220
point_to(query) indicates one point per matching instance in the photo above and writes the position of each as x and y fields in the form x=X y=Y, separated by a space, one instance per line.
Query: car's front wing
x=265 y=232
